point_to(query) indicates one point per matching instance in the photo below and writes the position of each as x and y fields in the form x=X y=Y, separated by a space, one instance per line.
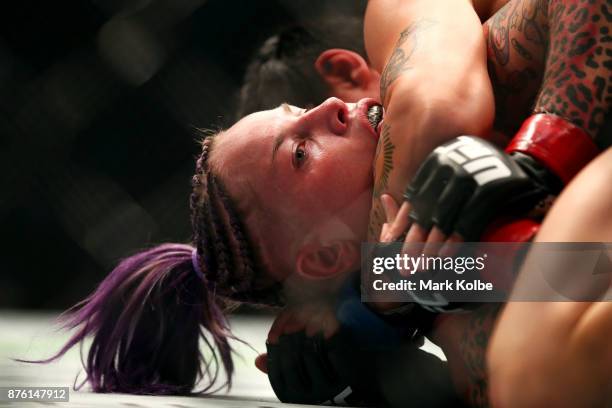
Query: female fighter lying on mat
x=302 y=156
x=293 y=232
x=310 y=215
x=280 y=191
x=575 y=73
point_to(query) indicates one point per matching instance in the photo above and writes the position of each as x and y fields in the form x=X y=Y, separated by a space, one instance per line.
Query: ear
x=345 y=68
x=317 y=261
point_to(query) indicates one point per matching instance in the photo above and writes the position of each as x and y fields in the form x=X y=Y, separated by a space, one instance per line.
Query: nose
x=331 y=115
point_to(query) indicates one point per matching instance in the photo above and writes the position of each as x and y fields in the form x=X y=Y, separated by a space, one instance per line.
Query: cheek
x=342 y=180
x=338 y=177
x=355 y=164
x=346 y=195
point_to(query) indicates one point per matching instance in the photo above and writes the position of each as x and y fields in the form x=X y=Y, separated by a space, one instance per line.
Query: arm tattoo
x=385 y=148
x=517 y=40
x=377 y=218
x=398 y=62
x=498 y=41
x=577 y=83
x=405 y=47
x=473 y=348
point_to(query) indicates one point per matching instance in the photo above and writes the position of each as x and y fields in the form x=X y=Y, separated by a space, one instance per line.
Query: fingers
x=298 y=323
x=315 y=324
x=416 y=234
x=434 y=241
x=313 y=319
x=435 y=236
x=278 y=326
x=331 y=325
x=455 y=238
x=450 y=248
x=390 y=207
x=322 y=321
x=397 y=219
x=261 y=362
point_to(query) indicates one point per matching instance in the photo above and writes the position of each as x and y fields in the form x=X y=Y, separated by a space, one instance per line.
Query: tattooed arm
x=464 y=338
x=434 y=84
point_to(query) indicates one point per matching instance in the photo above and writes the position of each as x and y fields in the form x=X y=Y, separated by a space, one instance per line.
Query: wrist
x=560 y=146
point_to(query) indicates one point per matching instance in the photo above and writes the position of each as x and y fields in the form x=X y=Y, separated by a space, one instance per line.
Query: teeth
x=375 y=115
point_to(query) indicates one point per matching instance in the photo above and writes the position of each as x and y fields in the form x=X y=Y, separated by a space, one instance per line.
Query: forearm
x=464 y=339
x=577 y=84
x=434 y=85
x=411 y=130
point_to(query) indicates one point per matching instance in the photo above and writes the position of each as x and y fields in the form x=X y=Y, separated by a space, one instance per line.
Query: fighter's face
x=310 y=170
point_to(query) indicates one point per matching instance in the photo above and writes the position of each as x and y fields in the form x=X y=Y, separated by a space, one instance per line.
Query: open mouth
x=375 y=116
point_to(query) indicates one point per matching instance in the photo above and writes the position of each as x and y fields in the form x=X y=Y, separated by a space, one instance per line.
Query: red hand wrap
x=511 y=230
x=562 y=147
x=507 y=230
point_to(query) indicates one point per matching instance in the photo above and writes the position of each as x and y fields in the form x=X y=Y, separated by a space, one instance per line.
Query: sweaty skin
x=517 y=26
x=429 y=97
x=577 y=81
x=557 y=51
x=518 y=39
x=574 y=356
x=542 y=56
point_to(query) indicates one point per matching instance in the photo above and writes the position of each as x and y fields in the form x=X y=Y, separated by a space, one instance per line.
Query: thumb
x=390 y=207
x=397 y=218
x=261 y=362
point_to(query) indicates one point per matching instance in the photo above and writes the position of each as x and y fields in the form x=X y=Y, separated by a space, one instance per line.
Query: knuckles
x=463 y=183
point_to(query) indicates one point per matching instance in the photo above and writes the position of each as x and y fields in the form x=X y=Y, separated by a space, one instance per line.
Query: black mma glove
x=466 y=183
x=364 y=363
x=338 y=371
x=314 y=370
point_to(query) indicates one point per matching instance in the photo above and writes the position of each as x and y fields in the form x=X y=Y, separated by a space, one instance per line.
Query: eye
x=300 y=154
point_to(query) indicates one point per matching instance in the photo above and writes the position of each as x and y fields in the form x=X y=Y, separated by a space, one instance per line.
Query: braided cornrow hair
x=150 y=315
x=225 y=253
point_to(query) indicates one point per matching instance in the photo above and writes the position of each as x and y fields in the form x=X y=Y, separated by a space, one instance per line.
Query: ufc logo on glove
x=466 y=183
x=475 y=158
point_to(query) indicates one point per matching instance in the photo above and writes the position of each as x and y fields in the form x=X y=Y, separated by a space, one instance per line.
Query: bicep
x=430 y=53
x=432 y=31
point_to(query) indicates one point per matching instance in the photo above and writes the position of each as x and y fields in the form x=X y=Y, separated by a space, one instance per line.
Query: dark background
x=99 y=105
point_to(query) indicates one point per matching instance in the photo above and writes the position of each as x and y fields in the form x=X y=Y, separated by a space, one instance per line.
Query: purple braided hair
x=149 y=315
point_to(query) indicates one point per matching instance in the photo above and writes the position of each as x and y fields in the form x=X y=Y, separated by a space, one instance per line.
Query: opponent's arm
x=570 y=126
x=464 y=339
x=574 y=355
x=434 y=84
